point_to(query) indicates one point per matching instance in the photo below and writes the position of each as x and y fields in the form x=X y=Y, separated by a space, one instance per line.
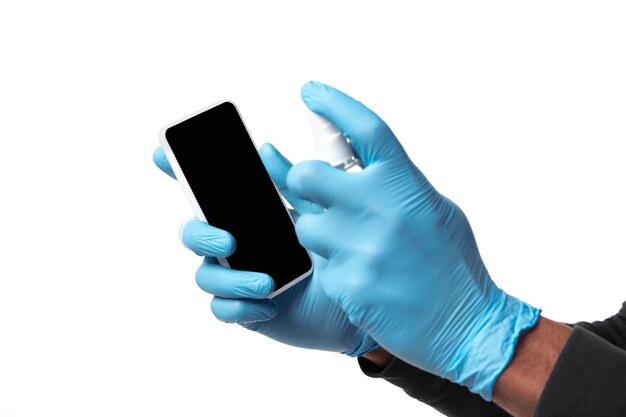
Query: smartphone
x=219 y=168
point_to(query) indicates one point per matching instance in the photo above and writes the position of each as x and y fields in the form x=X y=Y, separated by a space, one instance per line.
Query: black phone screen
x=235 y=192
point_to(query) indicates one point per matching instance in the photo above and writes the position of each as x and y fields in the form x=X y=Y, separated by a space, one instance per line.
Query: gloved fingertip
x=228 y=244
x=206 y=240
x=308 y=93
x=275 y=163
x=269 y=154
x=267 y=148
x=158 y=154
x=159 y=158
x=265 y=286
x=307 y=86
x=183 y=225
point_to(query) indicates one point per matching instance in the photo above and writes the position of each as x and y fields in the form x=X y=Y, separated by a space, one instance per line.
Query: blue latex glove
x=402 y=261
x=302 y=316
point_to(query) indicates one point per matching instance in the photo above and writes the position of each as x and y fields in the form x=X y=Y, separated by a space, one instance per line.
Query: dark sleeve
x=591 y=368
x=589 y=378
x=442 y=395
x=613 y=329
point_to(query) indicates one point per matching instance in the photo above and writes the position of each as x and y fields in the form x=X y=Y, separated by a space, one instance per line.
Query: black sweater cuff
x=589 y=379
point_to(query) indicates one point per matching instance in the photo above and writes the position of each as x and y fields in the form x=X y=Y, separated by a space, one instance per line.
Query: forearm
x=519 y=387
x=379 y=357
x=586 y=380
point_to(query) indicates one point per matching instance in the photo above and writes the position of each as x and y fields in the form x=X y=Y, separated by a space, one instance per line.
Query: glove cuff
x=366 y=346
x=493 y=343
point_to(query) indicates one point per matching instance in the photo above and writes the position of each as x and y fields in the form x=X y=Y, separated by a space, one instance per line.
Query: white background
x=514 y=110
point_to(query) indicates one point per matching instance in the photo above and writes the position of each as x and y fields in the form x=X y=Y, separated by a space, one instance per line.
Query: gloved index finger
x=369 y=135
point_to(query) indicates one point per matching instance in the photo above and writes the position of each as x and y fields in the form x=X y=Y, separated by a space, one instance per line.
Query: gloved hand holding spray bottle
x=401 y=259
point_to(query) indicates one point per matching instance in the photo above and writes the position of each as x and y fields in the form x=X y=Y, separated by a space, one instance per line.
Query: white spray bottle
x=331 y=146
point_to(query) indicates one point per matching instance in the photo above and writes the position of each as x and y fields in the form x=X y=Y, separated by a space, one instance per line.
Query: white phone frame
x=178 y=172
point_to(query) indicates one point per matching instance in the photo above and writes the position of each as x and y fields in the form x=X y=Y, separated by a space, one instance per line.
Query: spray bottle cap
x=330 y=144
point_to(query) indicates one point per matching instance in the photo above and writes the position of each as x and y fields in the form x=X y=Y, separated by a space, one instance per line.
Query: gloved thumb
x=320 y=183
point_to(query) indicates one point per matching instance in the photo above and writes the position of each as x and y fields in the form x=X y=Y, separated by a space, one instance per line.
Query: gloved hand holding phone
x=303 y=316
